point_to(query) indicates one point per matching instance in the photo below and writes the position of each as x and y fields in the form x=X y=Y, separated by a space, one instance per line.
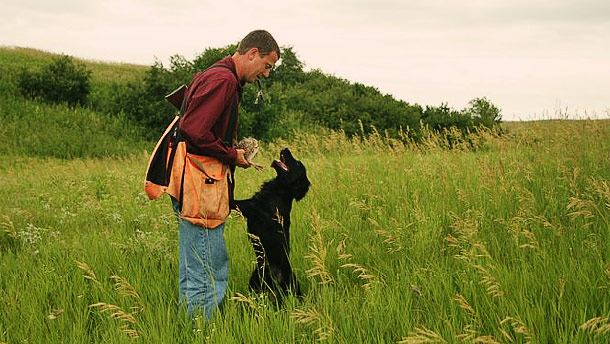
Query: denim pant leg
x=204 y=266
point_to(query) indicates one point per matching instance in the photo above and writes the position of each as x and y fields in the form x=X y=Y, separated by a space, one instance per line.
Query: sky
x=533 y=59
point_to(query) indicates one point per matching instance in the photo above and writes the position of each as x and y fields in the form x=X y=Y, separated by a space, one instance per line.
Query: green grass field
x=506 y=243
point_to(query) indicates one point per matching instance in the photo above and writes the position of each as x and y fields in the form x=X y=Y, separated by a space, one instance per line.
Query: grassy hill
x=12 y=59
x=37 y=128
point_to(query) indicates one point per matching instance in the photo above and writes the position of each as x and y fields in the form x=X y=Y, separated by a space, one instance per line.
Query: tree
x=211 y=56
x=483 y=112
x=290 y=69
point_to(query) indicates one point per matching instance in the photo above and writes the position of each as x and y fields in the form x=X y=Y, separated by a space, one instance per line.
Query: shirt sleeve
x=206 y=108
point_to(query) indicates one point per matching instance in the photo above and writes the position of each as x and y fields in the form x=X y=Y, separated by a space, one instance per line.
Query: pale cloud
x=526 y=56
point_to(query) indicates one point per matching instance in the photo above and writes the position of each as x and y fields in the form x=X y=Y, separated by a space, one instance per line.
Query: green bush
x=443 y=117
x=63 y=80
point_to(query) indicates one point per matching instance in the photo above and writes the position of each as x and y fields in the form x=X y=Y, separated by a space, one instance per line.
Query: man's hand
x=241 y=160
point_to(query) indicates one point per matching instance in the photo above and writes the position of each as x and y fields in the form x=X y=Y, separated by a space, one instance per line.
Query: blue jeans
x=204 y=266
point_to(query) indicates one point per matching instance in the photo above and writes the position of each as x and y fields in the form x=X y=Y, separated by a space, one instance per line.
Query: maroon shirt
x=213 y=96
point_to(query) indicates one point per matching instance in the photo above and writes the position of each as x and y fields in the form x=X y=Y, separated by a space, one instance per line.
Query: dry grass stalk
x=123 y=287
x=519 y=327
x=422 y=335
x=524 y=218
x=318 y=254
x=317 y=257
x=480 y=251
x=122 y=316
x=582 y=208
x=561 y=286
x=468 y=335
x=597 y=326
x=251 y=303
x=89 y=274
x=573 y=181
x=415 y=289
x=532 y=241
x=245 y=300
x=130 y=332
x=493 y=287
x=486 y=340
x=472 y=251
x=467 y=226
x=340 y=250
x=359 y=204
x=516 y=227
x=602 y=189
x=390 y=238
x=259 y=250
x=453 y=241
x=8 y=227
x=506 y=335
x=463 y=303
x=278 y=218
x=363 y=274
x=544 y=222
x=306 y=317
x=117 y=311
x=324 y=326
x=55 y=313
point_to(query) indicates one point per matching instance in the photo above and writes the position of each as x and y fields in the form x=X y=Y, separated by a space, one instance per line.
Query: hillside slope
x=37 y=128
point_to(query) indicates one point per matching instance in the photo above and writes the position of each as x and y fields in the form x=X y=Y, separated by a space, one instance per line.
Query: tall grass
x=34 y=128
x=503 y=239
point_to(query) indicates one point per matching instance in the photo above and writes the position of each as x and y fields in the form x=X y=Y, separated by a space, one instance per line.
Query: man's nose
x=266 y=73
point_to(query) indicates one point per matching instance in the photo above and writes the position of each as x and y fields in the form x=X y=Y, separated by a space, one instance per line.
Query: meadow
x=501 y=239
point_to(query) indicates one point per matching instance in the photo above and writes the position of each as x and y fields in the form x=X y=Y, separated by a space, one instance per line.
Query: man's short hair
x=260 y=39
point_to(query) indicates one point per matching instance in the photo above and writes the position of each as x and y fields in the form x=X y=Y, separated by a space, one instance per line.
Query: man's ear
x=252 y=53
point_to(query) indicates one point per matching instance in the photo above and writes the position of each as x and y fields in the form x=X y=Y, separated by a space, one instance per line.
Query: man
x=209 y=127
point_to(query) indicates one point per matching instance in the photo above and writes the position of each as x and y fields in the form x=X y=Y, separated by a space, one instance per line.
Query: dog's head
x=292 y=174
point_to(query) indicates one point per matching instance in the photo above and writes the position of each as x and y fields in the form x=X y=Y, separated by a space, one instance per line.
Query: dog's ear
x=299 y=190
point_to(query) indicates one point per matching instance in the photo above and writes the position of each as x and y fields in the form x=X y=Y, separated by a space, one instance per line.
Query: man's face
x=260 y=66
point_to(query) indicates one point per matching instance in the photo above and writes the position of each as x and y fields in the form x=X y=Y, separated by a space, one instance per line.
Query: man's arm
x=205 y=108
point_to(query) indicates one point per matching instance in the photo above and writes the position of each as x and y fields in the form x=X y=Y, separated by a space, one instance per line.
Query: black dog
x=268 y=217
